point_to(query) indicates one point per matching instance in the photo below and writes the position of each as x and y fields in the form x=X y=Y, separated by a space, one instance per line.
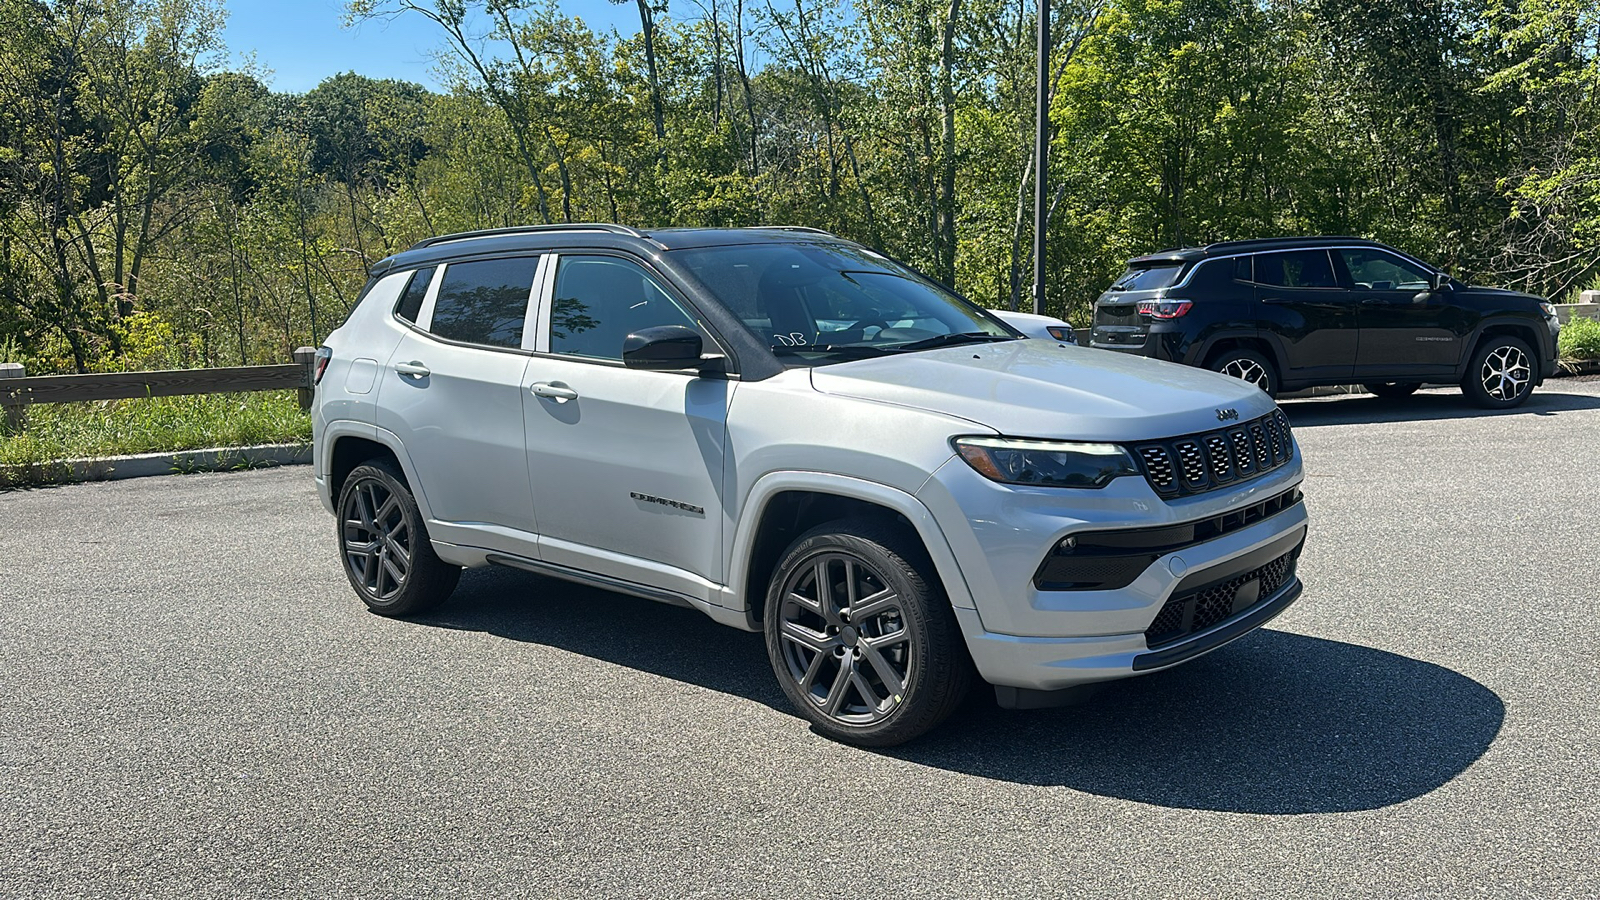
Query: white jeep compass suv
x=799 y=436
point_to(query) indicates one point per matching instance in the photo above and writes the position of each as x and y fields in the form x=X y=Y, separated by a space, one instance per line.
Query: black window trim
x=1184 y=281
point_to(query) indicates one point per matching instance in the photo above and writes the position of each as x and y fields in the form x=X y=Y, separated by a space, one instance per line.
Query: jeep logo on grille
x=1227 y=415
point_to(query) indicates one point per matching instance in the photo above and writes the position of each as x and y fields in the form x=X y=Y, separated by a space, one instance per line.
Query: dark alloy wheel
x=1250 y=366
x=861 y=636
x=385 y=546
x=1392 y=389
x=1500 y=375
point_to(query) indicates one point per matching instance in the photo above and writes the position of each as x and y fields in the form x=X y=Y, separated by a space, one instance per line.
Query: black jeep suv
x=1292 y=313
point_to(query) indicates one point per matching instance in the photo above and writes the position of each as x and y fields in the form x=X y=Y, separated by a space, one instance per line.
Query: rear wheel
x=861 y=636
x=1393 y=388
x=1500 y=375
x=1248 y=365
x=384 y=544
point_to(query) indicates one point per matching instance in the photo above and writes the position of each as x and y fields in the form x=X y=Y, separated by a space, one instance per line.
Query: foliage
x=59 y=431
x=158 y=210
x=1580 y=339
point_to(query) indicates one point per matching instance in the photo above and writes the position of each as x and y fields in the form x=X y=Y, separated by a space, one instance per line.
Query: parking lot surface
x=193 y=703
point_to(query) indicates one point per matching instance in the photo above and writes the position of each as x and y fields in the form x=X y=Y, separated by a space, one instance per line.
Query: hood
x=1042 y=389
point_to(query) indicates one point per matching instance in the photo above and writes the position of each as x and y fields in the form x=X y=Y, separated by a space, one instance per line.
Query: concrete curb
x=142 y=465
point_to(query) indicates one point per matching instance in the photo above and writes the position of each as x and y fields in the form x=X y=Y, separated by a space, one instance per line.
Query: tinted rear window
x=411 y=301
x=485 y=302
x=1147 y=278
x=1296 y=269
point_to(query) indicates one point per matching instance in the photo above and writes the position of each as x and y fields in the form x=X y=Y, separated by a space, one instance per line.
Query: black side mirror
x=663 y=348
x=1438 y=281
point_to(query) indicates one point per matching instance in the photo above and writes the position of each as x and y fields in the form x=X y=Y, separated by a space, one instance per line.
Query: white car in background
x=1036 y=326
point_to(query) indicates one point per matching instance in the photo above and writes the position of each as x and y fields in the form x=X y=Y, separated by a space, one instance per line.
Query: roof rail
x=530 y=229
x=806 y=228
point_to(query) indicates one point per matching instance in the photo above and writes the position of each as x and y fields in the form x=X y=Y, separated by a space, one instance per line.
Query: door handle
x=414 y=369
x=554 y=390
x=1374 y=301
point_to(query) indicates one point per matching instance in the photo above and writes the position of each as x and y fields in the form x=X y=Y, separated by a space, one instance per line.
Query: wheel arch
x=783 y=505
x=1520 y=329
x=1225 y=342
x=350 y=448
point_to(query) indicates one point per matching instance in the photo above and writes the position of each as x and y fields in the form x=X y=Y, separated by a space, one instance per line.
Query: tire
x=384 y=545
x=838 y=665
x=1248 y=365
x=1500 y=374
x=1393 y=389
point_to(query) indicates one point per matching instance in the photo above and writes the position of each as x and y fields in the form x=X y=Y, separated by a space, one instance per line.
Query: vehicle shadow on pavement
x=1273 y=723
x=1359 y=409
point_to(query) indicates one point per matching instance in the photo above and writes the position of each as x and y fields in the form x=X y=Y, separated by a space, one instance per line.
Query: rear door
x=453 y=395
x=1406 y=331
x=1301 y=303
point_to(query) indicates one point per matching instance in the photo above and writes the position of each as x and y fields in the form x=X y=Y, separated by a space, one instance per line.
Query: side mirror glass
x=663 y=348
x=1438 y=281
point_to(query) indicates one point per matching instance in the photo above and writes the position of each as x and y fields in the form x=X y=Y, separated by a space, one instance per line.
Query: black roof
x=1254 y=245
x=595 y=235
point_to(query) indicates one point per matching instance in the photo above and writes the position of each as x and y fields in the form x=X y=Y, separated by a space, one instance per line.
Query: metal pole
x=1041 y=157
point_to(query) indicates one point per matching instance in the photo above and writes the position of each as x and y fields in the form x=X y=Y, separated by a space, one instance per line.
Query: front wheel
x=1501 y=373
x=384 y=544
x=861 y=635
x=1248 y=366
x=1393 y=389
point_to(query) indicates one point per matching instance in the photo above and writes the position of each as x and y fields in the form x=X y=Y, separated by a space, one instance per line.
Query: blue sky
x=302 y=42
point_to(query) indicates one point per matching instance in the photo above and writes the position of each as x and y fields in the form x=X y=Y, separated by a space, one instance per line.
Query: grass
x=1580 y=339
x=57 y=431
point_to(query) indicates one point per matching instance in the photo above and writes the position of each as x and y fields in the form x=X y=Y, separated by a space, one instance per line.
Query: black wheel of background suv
x=1248 y=365
x=385 y=546
x=1392 y=388
x=861 y=635
x=1500 y=375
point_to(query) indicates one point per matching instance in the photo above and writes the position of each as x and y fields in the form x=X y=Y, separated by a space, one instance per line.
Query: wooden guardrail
x=18 y=391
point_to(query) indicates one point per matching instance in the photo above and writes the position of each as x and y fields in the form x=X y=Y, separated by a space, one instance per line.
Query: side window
x=1380 y=271
x=485 y=301
x=1296 y=269
x=599 y=300
x=1243 y=270
x=410 y=304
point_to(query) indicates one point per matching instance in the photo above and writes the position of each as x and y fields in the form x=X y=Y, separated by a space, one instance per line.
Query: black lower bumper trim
x=1258 y=616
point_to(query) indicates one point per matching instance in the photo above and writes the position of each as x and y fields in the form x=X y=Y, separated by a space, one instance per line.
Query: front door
x=1300 y=301
x=626 y=465
x=1406 y=331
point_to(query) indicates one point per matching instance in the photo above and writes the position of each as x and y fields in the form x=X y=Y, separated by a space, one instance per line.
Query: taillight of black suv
x=1292 y=313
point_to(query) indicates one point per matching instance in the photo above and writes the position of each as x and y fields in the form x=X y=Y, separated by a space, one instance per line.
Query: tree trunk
x=647 y=23
x=947 y=148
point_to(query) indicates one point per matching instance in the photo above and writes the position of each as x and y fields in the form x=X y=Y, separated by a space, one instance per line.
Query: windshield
x=824 y=303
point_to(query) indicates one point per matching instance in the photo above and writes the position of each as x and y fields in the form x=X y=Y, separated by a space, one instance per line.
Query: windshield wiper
x=851 y=349
x=950 y=340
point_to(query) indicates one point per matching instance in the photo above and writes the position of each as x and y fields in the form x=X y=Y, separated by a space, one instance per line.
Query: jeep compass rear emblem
x=1227 y=415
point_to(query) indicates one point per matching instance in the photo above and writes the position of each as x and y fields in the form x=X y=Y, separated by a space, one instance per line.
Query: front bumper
x=1025 y=637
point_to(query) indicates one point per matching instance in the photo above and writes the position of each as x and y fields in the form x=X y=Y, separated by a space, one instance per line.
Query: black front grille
x=1196 y=463
x=1197 y=610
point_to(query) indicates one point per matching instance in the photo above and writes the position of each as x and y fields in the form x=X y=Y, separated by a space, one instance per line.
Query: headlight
x=1062 y=333
x=1046 y=463
x=1549 y=310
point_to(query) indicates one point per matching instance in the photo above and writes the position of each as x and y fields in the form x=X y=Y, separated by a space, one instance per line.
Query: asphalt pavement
x=194 y=704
